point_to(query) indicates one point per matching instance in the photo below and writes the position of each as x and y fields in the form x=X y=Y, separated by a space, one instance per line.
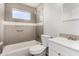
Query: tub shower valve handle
x=19 y=30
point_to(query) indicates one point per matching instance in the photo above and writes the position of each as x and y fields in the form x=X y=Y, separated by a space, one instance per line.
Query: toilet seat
x=37 y=49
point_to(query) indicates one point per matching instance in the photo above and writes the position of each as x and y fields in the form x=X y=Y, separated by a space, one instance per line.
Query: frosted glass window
x=21 y=14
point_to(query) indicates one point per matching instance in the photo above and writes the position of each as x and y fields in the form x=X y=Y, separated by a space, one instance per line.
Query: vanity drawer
x=54 y=53
x=62 y=50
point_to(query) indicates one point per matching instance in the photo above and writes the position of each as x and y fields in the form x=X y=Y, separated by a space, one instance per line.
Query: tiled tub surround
x=10 y=34
x=69 y=36
x=1 y=47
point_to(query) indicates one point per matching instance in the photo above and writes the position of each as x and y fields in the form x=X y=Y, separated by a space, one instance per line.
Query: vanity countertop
x=65 y=42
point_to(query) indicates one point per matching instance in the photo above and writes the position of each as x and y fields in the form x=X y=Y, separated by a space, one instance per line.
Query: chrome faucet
x=72 y=38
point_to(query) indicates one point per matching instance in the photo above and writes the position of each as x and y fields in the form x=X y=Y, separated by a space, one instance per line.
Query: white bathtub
x=19 y=49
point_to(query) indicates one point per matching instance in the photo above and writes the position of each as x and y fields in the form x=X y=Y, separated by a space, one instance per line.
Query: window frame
x=22 y=11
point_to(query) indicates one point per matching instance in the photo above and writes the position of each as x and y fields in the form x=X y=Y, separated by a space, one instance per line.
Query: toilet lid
x=37 y=49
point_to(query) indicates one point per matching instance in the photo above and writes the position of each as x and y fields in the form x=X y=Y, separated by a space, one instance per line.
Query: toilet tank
x=44 y=39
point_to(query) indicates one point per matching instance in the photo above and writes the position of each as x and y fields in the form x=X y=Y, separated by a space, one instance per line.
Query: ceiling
x=32 y=4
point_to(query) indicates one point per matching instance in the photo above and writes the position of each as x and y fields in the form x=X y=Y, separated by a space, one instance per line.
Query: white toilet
x=40 y=50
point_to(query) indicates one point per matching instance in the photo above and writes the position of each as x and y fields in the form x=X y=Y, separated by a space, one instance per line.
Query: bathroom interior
x=39 y=29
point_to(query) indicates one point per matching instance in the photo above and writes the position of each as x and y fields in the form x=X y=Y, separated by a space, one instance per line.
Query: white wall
x=72 y=27
x=67 y=13
x=53 y=21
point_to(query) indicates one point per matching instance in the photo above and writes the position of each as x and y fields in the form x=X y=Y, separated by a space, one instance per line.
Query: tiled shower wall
x=1 y=19
x=10 y=34
x=29 y=30
x=1 y=27
x=13 y=35
x=40 y=18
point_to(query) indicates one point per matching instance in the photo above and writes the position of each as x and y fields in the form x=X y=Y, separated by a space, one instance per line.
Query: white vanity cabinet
x=56 y=49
